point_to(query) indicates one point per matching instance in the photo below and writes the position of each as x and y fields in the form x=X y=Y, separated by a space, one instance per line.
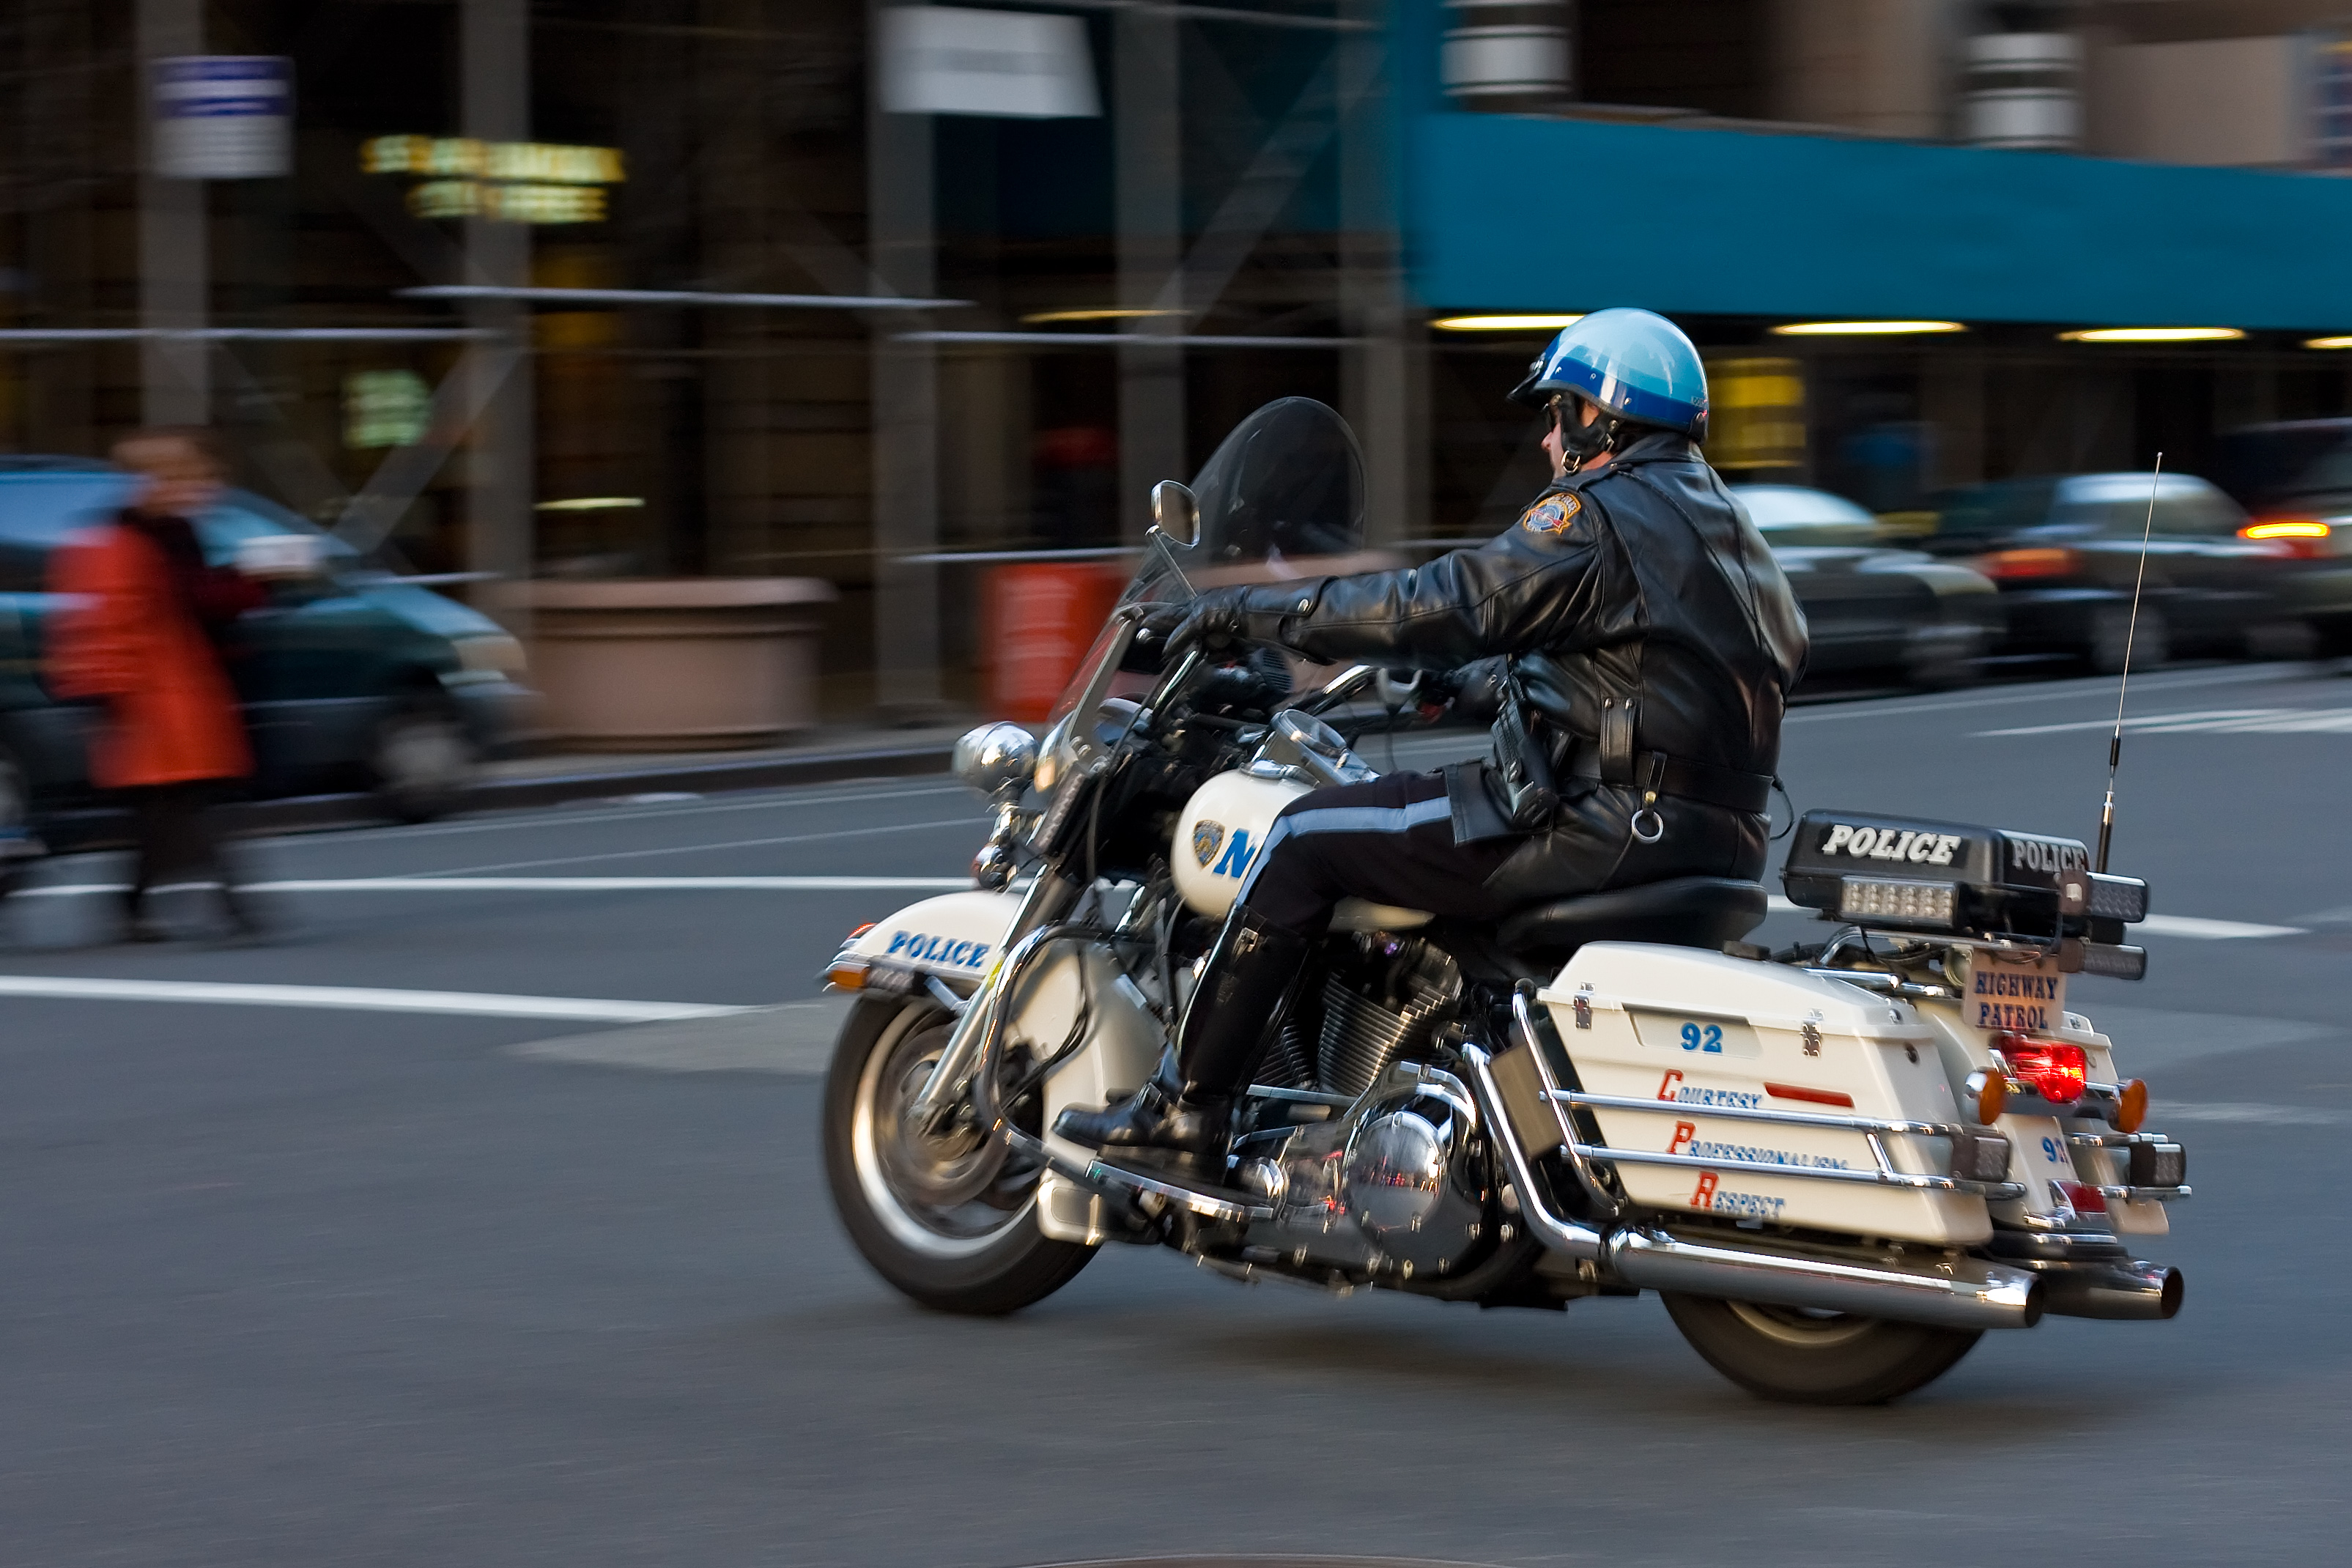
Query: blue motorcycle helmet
x=1635 y=366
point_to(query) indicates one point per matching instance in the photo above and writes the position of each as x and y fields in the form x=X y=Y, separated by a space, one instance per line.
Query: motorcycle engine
x=1397 y=1185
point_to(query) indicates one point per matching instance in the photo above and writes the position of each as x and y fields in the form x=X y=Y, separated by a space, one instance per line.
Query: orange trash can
x=1041 y=617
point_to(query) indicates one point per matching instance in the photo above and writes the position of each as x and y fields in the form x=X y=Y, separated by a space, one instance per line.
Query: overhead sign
x=1756 y=417
x=223 y=117
x=508 y=182
x=1017 y=65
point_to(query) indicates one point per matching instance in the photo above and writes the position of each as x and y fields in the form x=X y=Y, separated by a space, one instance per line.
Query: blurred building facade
x=892 y=296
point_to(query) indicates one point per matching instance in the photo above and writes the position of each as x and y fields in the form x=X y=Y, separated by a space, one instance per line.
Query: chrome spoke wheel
x=947 y=1193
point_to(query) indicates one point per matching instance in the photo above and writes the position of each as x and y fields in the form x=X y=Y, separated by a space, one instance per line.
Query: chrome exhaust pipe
x=1966 y=1293
x=2129 y=1292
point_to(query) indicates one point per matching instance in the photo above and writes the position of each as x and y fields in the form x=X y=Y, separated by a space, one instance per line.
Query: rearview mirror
x=1175 y=514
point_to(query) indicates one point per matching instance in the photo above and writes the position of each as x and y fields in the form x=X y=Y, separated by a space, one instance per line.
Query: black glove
x=1213 y=622
x=1477 y=689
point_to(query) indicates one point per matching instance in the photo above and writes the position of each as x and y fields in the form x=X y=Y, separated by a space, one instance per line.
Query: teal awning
x=1513 y=214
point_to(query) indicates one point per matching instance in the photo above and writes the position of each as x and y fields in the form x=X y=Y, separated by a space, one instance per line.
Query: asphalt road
x=291 y=1283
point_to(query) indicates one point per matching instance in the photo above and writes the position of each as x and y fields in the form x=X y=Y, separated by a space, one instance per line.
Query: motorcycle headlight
x=495 y=654
x=1055 y=758
x=994 y=756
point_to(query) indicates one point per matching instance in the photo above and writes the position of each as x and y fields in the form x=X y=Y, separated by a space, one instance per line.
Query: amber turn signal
x=1987 y=1093
x=847 y=977
x=2131 y=1105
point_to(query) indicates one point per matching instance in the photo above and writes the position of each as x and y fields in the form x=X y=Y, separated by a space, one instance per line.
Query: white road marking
x=427 y=883
x=794 y=1040
x=2210 y=930
x=517 y=819
x=2189 y=926
x=474 y=1003
x=2275 y=1115
x=2219 y=721
x=973 y=825
x=1896 y=708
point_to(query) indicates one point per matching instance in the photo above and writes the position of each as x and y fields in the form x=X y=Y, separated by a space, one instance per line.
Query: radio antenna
x=2131 y=630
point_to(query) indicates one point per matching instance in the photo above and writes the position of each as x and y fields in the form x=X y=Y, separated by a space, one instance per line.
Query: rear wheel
x=424 y=761
x=18 y=847
x=1945 y=656
x=1802 y=1357
x=949 y=1218
x=2112 y=634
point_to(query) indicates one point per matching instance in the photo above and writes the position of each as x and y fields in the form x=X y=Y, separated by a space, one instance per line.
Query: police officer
x=1648 y=645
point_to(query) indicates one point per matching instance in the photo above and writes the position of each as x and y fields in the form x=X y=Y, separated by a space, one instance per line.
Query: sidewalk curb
x=359 y=809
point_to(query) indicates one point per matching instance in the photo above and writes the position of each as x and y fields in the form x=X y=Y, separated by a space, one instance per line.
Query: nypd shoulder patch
x=1553 y=514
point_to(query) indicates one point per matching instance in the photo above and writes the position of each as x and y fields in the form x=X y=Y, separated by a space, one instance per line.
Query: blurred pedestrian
x=145 y=629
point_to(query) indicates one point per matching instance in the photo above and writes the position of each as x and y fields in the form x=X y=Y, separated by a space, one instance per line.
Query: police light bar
x=1886 y=901
x=1905 y=872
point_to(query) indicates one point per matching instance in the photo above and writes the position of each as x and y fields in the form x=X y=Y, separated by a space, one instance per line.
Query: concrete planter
x=703 y=664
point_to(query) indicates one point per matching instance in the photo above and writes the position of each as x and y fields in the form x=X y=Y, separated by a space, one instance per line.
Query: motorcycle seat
x=1685 y=911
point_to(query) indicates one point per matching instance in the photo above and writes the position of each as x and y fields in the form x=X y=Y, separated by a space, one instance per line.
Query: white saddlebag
x=1693 y=1032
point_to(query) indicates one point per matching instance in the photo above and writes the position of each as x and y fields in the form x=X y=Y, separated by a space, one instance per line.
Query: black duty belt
x=1657 y=772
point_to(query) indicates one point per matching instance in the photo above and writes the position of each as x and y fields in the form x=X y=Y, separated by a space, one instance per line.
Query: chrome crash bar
x=1884 y=1176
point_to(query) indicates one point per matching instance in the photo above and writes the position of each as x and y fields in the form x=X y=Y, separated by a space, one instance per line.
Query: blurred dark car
x=1872 y=604
x=351 y=679
x=2295 y=477
x=2299 y=467
x=2066 y=550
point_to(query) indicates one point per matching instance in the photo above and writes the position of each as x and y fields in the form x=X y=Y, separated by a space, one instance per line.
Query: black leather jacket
x=1636 y=582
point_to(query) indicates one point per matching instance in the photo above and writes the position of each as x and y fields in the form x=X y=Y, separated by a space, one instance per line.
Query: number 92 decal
x=1706 y=1037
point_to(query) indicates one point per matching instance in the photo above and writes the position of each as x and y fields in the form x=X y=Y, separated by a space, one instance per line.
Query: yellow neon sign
x=506 y=182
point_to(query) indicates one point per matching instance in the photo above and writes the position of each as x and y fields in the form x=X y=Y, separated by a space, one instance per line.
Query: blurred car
x=2066 y=553
x=2295 y=478
x=352 y=677
x=1871 y=605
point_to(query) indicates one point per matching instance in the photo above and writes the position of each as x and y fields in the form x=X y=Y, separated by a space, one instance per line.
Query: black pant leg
x=154 y=841
x=1390 y=841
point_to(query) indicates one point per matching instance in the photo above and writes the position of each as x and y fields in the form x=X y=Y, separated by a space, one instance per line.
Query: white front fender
x=956 y=936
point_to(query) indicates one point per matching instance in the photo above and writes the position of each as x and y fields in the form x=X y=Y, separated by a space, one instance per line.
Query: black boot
x=1186 y=1108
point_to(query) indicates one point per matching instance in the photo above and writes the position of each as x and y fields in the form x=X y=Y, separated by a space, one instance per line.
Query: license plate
x=2014 y=991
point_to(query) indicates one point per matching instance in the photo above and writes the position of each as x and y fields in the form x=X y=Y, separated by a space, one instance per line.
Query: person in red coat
x=142 y=631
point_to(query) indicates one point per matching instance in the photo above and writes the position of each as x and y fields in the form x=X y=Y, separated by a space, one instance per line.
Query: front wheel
x=1802 y=1357
x=949 y=1218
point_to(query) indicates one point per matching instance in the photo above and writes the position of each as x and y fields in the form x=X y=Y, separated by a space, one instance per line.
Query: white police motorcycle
x=1837 y=1164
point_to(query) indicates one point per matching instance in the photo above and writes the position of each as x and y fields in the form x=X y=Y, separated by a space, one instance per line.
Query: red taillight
x=861 y=930
x=2086 y=1199
x=2056 y=1071
x=2019 y=565
x=2299 y=538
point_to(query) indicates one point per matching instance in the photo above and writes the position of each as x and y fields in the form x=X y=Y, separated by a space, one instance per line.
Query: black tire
x=2331 y=637
x=1945 y=656
x=1797 y=1357
x=424 y=761
x=947 y=1222
x=2111 y=632
x=17 y=848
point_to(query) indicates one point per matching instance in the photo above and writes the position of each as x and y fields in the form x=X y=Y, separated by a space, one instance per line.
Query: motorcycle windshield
x=1285 y=488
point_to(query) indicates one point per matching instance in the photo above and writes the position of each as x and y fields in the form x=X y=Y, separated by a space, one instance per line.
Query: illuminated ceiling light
x=1864 y=329
x=1503 y=323
x=1104 y=314
x=591 y=503
x=2327 y=342
x=2154 y=335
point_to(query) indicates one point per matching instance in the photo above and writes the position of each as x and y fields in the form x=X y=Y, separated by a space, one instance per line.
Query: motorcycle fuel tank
x=1691 y=1031
x=1222 y=831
